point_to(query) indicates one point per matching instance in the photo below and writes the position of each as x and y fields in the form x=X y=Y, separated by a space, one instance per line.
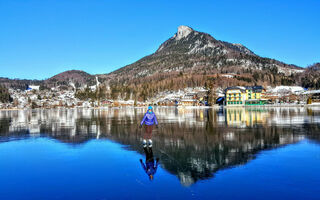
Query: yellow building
x=249 y=95
x=235 y=95
x=255 y=95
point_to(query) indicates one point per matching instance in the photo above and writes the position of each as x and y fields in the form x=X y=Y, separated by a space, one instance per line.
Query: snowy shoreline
x=178 y=107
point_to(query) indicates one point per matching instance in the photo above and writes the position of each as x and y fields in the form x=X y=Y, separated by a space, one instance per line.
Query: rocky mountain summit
x=186 y=40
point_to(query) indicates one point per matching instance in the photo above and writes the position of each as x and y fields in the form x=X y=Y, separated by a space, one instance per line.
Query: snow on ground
x=177 y=95
x=227 y=75
x=286 y=89
x=312 y=92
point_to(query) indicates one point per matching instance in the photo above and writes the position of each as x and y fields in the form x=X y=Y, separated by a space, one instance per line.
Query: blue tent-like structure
x=220 y=101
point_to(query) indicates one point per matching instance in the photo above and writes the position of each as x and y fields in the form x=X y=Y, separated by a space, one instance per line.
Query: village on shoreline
x=236 y=96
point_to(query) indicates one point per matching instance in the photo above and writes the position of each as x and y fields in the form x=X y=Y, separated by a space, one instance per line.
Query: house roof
x=254 y=88
x=235 y=88
x=188 y=100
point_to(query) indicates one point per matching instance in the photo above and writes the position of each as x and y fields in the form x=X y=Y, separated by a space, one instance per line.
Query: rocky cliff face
x=188 y=41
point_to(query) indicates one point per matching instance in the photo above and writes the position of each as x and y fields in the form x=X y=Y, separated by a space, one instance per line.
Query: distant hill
x=76 y=77
x=72 y=78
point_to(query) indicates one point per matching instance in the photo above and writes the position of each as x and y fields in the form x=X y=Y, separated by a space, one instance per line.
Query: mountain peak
x=193 y=52
x=183 y=31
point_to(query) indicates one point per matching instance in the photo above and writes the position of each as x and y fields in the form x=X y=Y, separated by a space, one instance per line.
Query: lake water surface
x=233 y=153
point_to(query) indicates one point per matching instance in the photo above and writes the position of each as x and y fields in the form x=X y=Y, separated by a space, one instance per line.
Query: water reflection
x=192 y=144
x=151 y=164
x=246 y=117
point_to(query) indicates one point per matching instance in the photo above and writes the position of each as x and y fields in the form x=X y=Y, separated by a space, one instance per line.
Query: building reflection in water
x=240 y=117
x=192 y=144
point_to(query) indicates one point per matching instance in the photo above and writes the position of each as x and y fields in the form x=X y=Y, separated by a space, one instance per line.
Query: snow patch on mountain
x=198 y=47
x=288 y=71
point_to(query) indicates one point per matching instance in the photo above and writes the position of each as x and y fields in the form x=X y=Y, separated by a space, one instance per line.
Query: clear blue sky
x=40 y=38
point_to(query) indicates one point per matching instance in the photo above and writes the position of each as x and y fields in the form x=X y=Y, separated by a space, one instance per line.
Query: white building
x=34 y=87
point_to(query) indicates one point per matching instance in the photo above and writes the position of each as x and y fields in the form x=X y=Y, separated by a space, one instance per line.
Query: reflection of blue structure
x=220 y=112
x=220 y=100
x=204 y=103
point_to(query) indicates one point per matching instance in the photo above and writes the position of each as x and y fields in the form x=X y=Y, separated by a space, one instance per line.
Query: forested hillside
x=4 y=95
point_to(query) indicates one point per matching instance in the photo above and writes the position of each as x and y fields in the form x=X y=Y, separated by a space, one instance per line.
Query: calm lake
x=233 y=153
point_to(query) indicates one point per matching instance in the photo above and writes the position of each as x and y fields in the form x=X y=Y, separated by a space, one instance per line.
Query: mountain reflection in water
x=191 y=143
